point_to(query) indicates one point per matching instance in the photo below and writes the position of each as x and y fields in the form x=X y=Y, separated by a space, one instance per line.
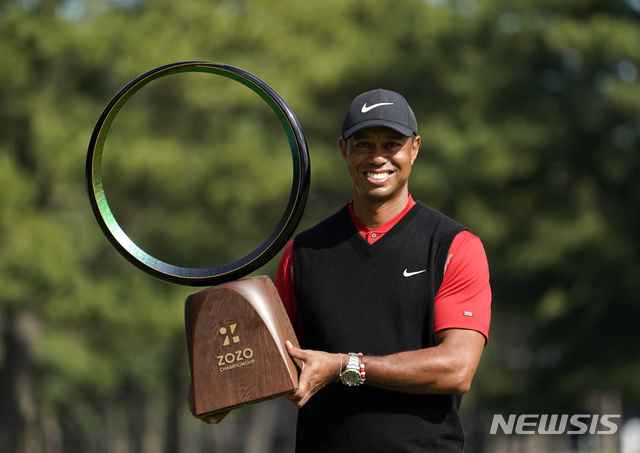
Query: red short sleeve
x=464 y=298
x=284 y=285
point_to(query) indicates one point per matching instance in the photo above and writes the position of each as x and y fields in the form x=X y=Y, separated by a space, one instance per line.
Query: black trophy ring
x=214 y=275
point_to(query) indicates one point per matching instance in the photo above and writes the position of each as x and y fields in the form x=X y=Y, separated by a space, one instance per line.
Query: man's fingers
x=294 y=351
x=290 y=347
x=296 y=399
x=191 y=398
x=293 y=398
x=296 y=354
x=216 y=418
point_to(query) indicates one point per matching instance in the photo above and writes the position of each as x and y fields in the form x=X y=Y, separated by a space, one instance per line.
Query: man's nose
x=378 y=155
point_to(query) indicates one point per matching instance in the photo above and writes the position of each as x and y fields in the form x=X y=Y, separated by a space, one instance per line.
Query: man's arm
x=446 y=368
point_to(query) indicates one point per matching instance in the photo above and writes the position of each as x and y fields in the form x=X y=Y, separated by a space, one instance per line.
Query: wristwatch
x=353 y=374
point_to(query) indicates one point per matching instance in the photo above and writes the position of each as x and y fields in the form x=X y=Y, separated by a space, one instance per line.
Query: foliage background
x=529 y=114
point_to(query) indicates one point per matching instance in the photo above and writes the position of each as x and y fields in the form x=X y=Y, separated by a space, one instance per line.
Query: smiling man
x=379 y=161
x=390 y=300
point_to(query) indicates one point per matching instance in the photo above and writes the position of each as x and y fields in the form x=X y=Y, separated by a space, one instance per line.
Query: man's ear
x=342 y=143
x=415 y=147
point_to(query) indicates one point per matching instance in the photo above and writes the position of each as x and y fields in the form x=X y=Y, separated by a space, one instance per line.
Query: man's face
x=379 y=162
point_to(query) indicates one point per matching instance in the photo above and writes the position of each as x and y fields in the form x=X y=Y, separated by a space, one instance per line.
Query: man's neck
x=375 y=213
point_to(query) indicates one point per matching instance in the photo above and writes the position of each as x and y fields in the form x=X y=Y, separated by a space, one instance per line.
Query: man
x=390 y=300
x=400 y=286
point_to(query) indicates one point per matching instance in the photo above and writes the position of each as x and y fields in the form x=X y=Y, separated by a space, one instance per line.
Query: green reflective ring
x=213 y=275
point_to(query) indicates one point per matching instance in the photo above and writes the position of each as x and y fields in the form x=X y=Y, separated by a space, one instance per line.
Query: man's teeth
x=377 y=175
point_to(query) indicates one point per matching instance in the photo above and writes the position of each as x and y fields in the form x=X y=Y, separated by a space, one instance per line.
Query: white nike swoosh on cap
x=411 y=274
x=366 y=108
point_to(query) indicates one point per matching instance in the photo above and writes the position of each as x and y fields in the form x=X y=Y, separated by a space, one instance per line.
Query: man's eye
x=363 y=144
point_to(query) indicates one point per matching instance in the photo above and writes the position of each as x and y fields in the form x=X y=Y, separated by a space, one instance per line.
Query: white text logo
x=555 y=424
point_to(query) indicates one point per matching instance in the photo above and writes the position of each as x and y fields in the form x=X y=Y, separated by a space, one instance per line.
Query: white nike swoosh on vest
x=411 y=274
x=366 y=108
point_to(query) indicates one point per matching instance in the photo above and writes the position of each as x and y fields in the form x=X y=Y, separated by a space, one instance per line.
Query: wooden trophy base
x=235 y=337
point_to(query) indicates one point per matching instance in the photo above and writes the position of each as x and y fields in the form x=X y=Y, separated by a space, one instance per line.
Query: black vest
x=376 y=299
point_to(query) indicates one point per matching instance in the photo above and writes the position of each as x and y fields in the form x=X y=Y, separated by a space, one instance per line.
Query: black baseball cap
x=380 y=108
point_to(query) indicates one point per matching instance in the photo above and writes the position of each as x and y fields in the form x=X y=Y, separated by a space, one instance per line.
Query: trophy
x=235 y=328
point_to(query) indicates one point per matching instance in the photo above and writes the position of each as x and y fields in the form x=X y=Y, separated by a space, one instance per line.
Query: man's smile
x=378 y=176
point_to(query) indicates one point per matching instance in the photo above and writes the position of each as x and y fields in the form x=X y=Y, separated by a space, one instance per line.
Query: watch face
x=351 y=378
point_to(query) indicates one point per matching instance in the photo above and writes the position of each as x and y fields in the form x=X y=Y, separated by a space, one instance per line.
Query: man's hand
x=318 y=369
x=212 y=418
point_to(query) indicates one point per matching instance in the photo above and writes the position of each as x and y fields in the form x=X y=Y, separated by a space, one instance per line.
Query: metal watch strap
x=354 y=374
x=354 y=362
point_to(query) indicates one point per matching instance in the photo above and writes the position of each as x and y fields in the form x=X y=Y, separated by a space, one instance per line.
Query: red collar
x=372 y=236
